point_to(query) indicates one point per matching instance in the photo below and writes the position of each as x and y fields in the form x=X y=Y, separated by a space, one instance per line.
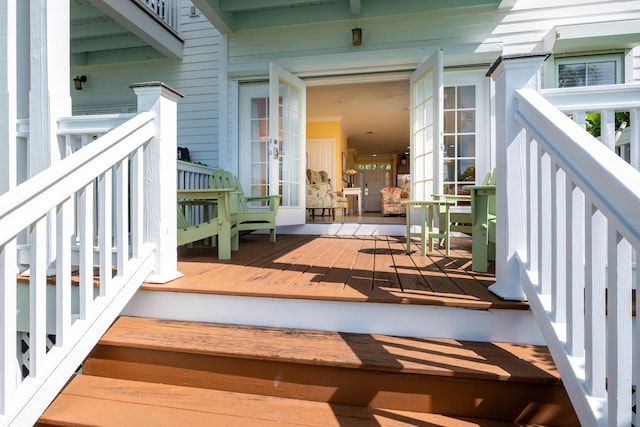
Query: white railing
x=165 y=10
x=118 y=180
x=605 y=100
x=582 y=204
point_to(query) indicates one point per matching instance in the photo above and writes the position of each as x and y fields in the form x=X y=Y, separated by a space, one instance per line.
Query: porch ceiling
x=105 y=31
x=232 y=15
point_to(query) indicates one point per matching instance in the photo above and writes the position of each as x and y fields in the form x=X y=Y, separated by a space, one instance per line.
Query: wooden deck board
x=446 y=358
x=341 y=268
x=107 y=402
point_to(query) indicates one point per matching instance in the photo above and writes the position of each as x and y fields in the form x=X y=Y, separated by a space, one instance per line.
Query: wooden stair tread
x=440 y=357
x=100 y=401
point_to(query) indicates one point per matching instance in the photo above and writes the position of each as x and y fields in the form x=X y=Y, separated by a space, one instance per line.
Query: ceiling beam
x=211 y=9
x=355 y=7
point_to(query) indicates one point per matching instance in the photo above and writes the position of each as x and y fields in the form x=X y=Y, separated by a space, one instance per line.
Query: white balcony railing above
x=165 y=10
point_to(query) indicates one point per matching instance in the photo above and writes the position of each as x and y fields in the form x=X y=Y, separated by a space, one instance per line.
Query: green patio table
x=429 y=209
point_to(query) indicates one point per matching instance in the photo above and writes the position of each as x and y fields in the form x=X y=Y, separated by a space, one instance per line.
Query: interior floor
x=365 y=218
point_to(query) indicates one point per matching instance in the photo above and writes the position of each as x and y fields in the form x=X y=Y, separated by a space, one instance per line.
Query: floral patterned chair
x=320 y=194
x=390 y=201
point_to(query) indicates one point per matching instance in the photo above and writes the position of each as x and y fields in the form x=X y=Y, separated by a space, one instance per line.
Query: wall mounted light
x=77 y=82
x=356 y=36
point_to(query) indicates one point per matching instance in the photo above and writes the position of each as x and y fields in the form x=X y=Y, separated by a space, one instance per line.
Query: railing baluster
x=619 y=346
x=137 y=201
x=544 y=248
x=105 y=227
x=575 y=230
x=634 y=148
x=595 y=284
x=8 y=361
x=532 y=202
x=122 y=215
x=608 y=128
x=85 y=202
x=37 y=296
x=558 y=246
x=64 y=218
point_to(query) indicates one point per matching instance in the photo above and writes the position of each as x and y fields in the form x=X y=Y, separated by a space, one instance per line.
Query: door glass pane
x=289 y=144
x=259 y=147
x=459 y=139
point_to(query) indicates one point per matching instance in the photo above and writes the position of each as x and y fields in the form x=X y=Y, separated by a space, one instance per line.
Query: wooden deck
x=340 y=268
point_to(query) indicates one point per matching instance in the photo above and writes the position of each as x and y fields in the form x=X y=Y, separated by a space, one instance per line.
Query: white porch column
x=511 y=73
x=8 y=21
x=160 y=226
x=49 y=96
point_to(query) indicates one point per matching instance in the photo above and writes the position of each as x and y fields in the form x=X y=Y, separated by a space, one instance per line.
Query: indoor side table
x=354 y=191
x=428 y=210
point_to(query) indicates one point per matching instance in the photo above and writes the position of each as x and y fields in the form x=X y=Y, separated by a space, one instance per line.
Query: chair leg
x=333 y=214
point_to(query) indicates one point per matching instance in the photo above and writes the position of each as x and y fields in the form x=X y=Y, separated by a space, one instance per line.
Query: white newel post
x=511 y=73
x=7 y=95
x=160 y=186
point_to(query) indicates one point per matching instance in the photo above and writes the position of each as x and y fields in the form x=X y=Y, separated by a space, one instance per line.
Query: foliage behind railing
x=582 y=211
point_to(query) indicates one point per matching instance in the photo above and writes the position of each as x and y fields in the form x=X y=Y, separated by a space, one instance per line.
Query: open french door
x=287 y=144
x=427 y=122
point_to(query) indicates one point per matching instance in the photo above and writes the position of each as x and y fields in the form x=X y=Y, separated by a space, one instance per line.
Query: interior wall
x=331 y=130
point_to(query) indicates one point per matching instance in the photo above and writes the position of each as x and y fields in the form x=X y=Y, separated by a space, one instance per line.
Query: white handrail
x=48 y=198
x=577 y=268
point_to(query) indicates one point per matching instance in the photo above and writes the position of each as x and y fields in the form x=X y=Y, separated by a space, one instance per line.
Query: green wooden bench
x=222 y=227
x=262 y=217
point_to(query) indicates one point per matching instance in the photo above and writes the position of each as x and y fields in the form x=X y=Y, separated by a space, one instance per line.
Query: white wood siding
x=196 y=77
x=468 y=34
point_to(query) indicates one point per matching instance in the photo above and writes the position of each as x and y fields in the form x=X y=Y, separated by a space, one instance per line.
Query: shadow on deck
x=339 y=268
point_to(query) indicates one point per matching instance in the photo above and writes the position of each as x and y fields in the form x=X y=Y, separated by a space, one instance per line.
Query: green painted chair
x=221 y=228
x=475 y=217
x=460 y=216
x=260 y=217
x=483 y=206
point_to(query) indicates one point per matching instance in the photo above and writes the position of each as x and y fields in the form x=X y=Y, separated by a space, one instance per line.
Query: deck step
x=489 y=381
x=101 y=401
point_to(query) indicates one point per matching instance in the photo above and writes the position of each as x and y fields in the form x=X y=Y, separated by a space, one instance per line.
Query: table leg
x=408 y=234
x=423 y=230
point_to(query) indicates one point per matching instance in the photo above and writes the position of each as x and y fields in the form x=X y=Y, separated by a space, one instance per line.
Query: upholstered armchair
x=390 y=201
x=320 y=194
